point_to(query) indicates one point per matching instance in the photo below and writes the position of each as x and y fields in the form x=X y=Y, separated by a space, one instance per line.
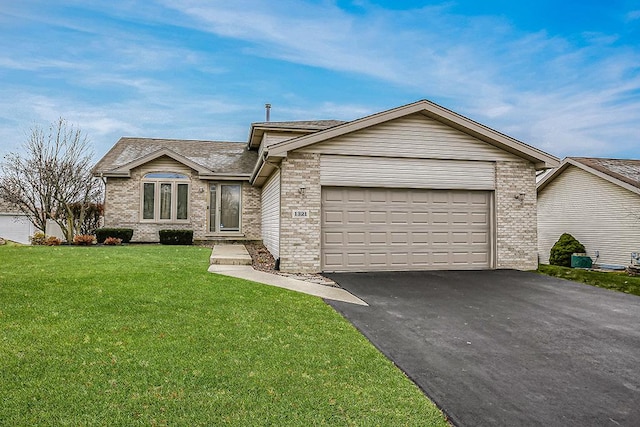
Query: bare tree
x=51 y=177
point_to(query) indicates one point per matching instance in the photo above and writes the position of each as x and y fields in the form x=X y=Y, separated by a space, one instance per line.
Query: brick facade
x=123 y=205
x=300 y=237
x=516 y=223
x=251 y=212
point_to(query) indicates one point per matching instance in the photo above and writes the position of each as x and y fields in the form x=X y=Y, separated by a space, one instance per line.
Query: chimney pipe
x=268 y=110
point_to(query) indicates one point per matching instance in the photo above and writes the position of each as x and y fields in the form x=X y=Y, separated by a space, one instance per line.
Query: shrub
x=562 y=250
x=38 y=238
x=92 y=216
x=125 y=234
x=52 y=241
x=112 y=241
x=176 y=237
x=84 y=240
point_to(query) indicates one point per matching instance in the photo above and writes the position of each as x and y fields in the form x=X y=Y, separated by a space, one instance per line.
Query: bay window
x=165 y=197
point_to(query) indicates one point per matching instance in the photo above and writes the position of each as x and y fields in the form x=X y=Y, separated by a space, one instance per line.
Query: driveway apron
x=506 y=348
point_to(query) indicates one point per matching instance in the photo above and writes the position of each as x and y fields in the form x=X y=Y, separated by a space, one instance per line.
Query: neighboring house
x=595 y=200
x=14 y=225
x=412 y=188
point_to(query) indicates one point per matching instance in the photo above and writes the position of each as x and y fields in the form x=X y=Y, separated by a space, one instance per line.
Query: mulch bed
x=262 y=260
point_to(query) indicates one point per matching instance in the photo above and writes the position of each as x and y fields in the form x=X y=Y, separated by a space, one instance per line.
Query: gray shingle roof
x=301 y=124
x=625 y=170
x=216 y=156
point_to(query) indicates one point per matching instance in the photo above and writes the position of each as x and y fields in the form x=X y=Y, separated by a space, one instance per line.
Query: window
x=224 y=207
x=165 y=197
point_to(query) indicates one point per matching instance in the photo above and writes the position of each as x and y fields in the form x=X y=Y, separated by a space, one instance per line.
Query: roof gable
x=541 y=159
x=125 y=170
x=210 y=159
x=622 y=172
x=296 y=128
x=411 y=136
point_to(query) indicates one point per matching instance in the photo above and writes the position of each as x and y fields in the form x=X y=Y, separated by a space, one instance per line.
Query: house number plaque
x=301 y=214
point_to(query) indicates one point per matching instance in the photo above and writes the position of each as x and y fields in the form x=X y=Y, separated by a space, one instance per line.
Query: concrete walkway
x=230 y=255
x=235 y=255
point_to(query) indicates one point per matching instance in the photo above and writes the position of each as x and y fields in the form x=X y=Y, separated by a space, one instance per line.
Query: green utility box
x=581 y=261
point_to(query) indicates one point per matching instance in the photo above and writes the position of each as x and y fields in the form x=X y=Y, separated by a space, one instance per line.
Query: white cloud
x=550 y=91
x=576 y=96
x=633 y=15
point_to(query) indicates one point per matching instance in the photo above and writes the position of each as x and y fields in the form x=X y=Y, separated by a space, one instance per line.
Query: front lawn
x=143 y=335
x=619 y=281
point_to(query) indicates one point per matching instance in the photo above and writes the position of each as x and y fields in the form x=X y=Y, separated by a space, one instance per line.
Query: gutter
x=258 y=167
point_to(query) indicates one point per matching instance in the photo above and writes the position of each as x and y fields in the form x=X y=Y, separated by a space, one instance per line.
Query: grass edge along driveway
x=614 y=280
x=143 y=335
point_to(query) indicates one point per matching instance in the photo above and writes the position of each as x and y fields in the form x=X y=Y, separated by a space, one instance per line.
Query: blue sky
x=563 y=76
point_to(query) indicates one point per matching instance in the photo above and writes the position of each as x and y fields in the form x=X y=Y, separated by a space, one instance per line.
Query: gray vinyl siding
x=165 y=164
x=415 y=136
x=272 y=137
x=271 y=214
x=601 y=215
x=368 y=171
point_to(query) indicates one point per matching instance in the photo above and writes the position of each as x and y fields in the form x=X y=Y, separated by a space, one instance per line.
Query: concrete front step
x=230 y=255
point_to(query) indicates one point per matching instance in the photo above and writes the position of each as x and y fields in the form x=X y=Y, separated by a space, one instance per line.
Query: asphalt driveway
x=506 y=348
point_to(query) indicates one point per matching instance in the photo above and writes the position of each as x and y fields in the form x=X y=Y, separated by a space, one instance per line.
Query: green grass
x=143 y=335
x=619 y=281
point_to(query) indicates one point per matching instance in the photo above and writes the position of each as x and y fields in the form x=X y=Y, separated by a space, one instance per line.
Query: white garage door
x=368 y=229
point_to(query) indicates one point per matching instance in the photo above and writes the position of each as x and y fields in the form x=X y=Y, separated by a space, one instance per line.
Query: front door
x=224 y=207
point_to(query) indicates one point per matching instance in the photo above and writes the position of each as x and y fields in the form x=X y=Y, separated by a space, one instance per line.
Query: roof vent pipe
x=267 y=107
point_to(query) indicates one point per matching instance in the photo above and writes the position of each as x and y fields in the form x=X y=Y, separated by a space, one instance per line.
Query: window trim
x=177 y=178
x=216 y=230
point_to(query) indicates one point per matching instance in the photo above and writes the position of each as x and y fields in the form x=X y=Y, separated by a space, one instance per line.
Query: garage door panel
x=440 y=217
x=378 y=259
x=355 y=195
x=398 y=229
x=356 y=238
x=440 y=238
x=420 y=258
x=479 y=198
x=420 y=218
x=399 y=217
x=479 y=258
x=356 y=259
x=377 y=195
x=332 y=194
x=479 y=238
x=420 y=238
x=480 y=218
x=460 y=198
x=440 y=258
x=378 y=217
x=399 y=238
x=460 y=238
x=400 y=258
x=333 y=260
x=332 y=238
x=460 y=258
x=378 y=238
x=355 y=217
x=333 y=217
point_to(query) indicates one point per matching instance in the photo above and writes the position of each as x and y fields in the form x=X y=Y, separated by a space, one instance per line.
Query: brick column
x=300 y=237
x=516 y=223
